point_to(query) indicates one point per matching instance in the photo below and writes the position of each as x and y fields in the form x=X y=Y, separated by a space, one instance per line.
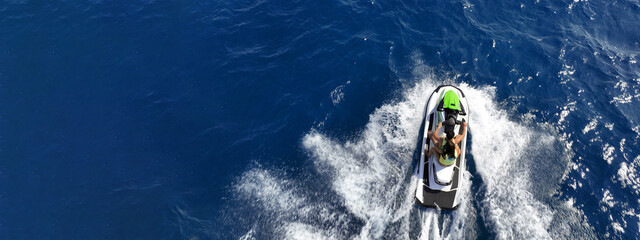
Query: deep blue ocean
x=256 y=119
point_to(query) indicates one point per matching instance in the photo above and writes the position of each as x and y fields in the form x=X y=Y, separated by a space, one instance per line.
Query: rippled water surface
x=300 y=119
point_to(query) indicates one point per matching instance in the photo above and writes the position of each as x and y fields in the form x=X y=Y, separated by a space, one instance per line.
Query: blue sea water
x=300 y=119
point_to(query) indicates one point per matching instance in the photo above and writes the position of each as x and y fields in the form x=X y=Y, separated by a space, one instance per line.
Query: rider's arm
x=438 y=129
x=434 y=137
x=464 y=131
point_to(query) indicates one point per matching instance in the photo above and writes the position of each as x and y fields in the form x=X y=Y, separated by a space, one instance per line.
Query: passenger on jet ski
x=448 y=150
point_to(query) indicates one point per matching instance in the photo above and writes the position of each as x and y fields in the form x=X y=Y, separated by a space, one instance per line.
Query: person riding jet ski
x=449 y=149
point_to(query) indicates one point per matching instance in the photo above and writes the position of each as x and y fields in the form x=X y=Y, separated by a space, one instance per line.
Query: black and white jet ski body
x=438 y=183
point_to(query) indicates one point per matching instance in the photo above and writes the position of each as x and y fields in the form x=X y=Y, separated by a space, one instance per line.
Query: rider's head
x=450 y=148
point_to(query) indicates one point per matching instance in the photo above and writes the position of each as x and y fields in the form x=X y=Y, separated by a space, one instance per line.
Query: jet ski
x=440 y=178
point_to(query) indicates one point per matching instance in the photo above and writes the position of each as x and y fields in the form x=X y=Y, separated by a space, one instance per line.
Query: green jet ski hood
x=451 y=100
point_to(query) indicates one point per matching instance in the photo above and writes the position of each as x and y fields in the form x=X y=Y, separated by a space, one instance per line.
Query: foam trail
x=369 y=173
x=371 y=188
x=285 y=208
x=428 y=219
x=499 y=149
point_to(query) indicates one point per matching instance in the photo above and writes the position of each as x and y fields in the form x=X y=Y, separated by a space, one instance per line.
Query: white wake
x=367 y=189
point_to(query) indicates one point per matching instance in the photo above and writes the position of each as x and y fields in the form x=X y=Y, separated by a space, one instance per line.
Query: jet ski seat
x=448 y=114
x=449 y=126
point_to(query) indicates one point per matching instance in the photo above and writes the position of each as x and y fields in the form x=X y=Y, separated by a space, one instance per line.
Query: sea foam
x=370 y=189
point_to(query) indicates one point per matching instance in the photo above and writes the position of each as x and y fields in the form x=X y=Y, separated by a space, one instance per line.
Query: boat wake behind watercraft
x=363 y=187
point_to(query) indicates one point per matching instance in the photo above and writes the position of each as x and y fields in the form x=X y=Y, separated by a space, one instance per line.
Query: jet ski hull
x=438 y=186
